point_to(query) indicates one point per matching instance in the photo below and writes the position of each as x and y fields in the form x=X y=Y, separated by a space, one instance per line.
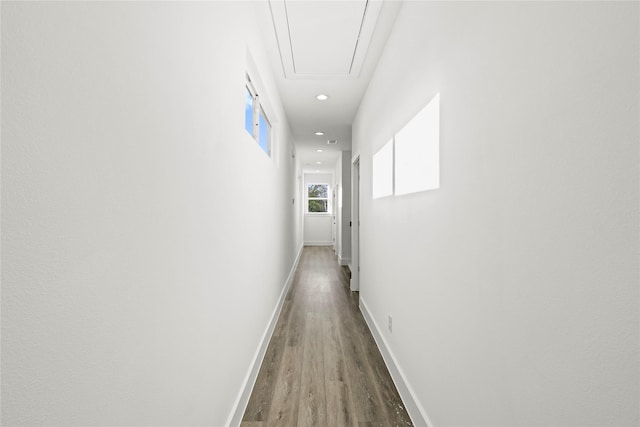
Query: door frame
x=355 y=224
x=334 y=227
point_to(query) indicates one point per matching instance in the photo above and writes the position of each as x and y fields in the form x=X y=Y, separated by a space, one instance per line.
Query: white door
x=355 y=225
x=333 y=219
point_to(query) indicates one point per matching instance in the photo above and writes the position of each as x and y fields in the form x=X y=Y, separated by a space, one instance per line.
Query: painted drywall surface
x=514 y=287
x=129 y=192
x=317 y=227
x=317 y=230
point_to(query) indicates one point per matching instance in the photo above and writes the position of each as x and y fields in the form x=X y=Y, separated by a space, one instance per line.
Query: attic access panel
x=323 y=38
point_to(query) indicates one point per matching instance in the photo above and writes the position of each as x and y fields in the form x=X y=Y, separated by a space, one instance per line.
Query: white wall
x=514 y=287
x=317 y=227
x=129 y=192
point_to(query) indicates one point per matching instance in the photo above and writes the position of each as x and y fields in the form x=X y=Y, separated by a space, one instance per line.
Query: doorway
x=333 y=220
x=355 y=225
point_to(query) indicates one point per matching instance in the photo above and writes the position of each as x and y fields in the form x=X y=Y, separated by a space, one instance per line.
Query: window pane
x=248 y=112
x=318 y=205
x=318 y=190
x=264 y=134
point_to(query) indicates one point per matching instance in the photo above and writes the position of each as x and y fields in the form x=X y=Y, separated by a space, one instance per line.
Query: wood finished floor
x=322 y=366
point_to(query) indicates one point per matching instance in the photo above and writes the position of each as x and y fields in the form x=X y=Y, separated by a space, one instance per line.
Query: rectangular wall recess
x=417 y=151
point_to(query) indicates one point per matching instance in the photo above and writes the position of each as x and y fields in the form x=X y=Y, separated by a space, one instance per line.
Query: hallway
x=181 y=183
x=322 y=366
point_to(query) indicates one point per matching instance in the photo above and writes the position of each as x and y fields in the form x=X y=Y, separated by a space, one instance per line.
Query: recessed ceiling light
x=319 y=150
x=318 y=163
x=322 y=97
x=319 y=133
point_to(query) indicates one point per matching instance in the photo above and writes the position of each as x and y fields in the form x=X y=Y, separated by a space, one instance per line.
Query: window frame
x=252 y=94
x=269 y=128
x=308 y=199
x=258 y=112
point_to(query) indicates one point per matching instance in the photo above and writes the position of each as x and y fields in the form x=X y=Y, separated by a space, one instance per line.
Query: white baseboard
x=411 y=403
x=240 y=405
x=344 y=261
x=318 y=243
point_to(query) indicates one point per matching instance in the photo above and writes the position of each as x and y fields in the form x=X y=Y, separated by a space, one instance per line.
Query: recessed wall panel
x=383 y=171
x=417 y=151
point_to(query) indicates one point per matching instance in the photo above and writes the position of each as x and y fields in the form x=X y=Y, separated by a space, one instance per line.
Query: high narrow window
x=255 y=119
x=318 y=198
x=264 y=133
x=248 y=111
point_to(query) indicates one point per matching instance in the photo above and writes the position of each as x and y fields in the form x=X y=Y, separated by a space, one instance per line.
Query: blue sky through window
x=248 y=112
x=253 y=111
x=264 y=133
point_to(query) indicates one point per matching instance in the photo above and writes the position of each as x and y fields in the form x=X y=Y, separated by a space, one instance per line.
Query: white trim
x=344 y=261
x=241 y=402
x=354 y=284
x=414 y=408
x=318 y=243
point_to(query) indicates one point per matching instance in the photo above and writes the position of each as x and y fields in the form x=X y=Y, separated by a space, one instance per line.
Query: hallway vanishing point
x=322 y=366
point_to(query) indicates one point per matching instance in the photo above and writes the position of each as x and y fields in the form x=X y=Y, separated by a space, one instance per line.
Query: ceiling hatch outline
x=323 y=39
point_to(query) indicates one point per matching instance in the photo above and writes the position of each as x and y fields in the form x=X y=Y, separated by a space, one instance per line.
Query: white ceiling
x=328 y=47
x=324 y=41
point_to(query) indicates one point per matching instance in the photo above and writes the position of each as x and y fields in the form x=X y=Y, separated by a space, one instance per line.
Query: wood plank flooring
x=322 y=366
